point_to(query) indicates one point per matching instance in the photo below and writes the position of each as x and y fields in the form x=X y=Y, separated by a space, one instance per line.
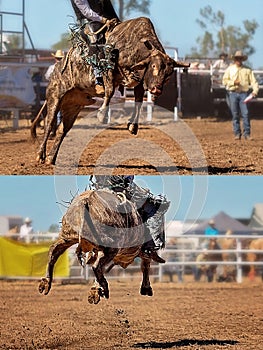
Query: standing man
x=26 y=230
x=211 y=229
x=239 y=81
x=222 y=62
x=58 y=55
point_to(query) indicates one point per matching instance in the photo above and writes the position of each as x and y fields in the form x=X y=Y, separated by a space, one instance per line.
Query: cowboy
x=151 y=208
x=91 y=15
x=222 y=62
x=26 y=230
x=58 y=55
x=240 y=81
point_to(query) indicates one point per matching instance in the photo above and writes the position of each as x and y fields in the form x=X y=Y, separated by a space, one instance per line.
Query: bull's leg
x=55 y=250
x=101 y=289
x=103 y=111
x=146 y=288
x=62 y=131
x=51 y=118
x=133 y=123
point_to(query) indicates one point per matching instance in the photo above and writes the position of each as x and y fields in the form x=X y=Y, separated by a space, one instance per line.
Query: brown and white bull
x=142 y=64
x=110 y=230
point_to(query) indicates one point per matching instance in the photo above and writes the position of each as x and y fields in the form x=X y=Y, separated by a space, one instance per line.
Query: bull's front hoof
x=50 y=161
x=94 y=296
x=102 y=116
x=146 y=291
x=40 y=159
x=133 y=128
x=44 y=286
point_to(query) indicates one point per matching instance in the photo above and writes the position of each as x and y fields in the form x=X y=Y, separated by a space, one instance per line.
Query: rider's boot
x=92 y=40
x=155 y=225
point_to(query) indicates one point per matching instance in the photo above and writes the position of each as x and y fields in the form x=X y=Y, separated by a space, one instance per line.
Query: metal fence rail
x=179 y=256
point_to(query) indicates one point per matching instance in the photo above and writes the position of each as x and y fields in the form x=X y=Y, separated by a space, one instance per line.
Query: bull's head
x=158 y=68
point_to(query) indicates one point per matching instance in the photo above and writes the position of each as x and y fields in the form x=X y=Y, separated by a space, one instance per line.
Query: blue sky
x=175 y=21
x=192 y=197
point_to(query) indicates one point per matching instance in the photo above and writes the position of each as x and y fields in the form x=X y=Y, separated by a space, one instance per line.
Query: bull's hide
x=129 y=39
x=100 y=218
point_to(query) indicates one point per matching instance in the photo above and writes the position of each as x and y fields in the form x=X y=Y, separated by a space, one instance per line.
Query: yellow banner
x=28 y=260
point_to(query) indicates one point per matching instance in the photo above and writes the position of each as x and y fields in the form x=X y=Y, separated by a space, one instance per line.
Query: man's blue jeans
x=237 y=107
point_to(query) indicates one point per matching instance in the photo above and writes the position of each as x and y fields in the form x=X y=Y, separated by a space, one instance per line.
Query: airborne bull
x=110 y=230
x=142 y=64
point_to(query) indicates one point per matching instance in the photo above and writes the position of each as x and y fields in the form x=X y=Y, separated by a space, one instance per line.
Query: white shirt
x=49 y=71
x=220 y=64
x=85 y=9
x=25 y=231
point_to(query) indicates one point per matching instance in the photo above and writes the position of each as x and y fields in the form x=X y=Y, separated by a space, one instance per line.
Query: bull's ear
x=148 y=44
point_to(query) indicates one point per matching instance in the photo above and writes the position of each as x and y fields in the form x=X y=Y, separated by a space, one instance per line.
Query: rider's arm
x=85 y=9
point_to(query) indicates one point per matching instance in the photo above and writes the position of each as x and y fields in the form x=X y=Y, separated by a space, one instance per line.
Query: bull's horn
x=181 y=64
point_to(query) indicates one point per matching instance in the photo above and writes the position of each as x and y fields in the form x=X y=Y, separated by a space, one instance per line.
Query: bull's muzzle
x=156 y=91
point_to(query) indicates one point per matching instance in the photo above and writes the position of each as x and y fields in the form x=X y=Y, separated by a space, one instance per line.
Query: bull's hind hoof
x=146 y=291
x=133 y=128
x=50 y=161
x=94 y=296
x=44 y=286
x=40 y=160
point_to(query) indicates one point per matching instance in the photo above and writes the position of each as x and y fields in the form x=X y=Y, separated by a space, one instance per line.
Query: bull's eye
x=155 y=69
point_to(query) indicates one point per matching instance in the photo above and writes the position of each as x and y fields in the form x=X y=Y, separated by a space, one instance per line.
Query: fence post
x=160 y=273
x=15 y=116
x=149 y=107
x=239 y=261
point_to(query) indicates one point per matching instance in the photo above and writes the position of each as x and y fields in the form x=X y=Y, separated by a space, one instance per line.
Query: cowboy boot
x=155 y=226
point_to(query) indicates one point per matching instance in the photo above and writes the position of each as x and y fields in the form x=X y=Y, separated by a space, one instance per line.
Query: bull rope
x=110 y=24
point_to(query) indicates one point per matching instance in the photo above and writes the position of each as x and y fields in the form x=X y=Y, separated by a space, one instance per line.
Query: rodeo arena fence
x=21 y=260
x=196 y=93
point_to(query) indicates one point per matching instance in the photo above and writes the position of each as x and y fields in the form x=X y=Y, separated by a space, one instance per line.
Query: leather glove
x=104 y=20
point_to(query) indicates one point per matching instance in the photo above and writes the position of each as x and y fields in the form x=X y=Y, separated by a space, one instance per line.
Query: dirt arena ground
x=192 y=146
x=205 y=316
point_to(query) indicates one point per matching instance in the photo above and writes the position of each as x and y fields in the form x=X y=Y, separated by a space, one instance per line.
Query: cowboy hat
x=58 y=54
x=223 y=54
x=239 y=54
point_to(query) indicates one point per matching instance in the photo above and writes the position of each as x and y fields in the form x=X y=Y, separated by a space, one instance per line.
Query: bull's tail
x=35 y=121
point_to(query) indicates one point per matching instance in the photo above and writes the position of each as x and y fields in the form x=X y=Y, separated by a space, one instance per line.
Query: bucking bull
x=141 y=64
x=109 y=231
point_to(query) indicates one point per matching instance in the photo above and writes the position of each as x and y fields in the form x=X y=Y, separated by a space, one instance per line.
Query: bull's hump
x=132 y=33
